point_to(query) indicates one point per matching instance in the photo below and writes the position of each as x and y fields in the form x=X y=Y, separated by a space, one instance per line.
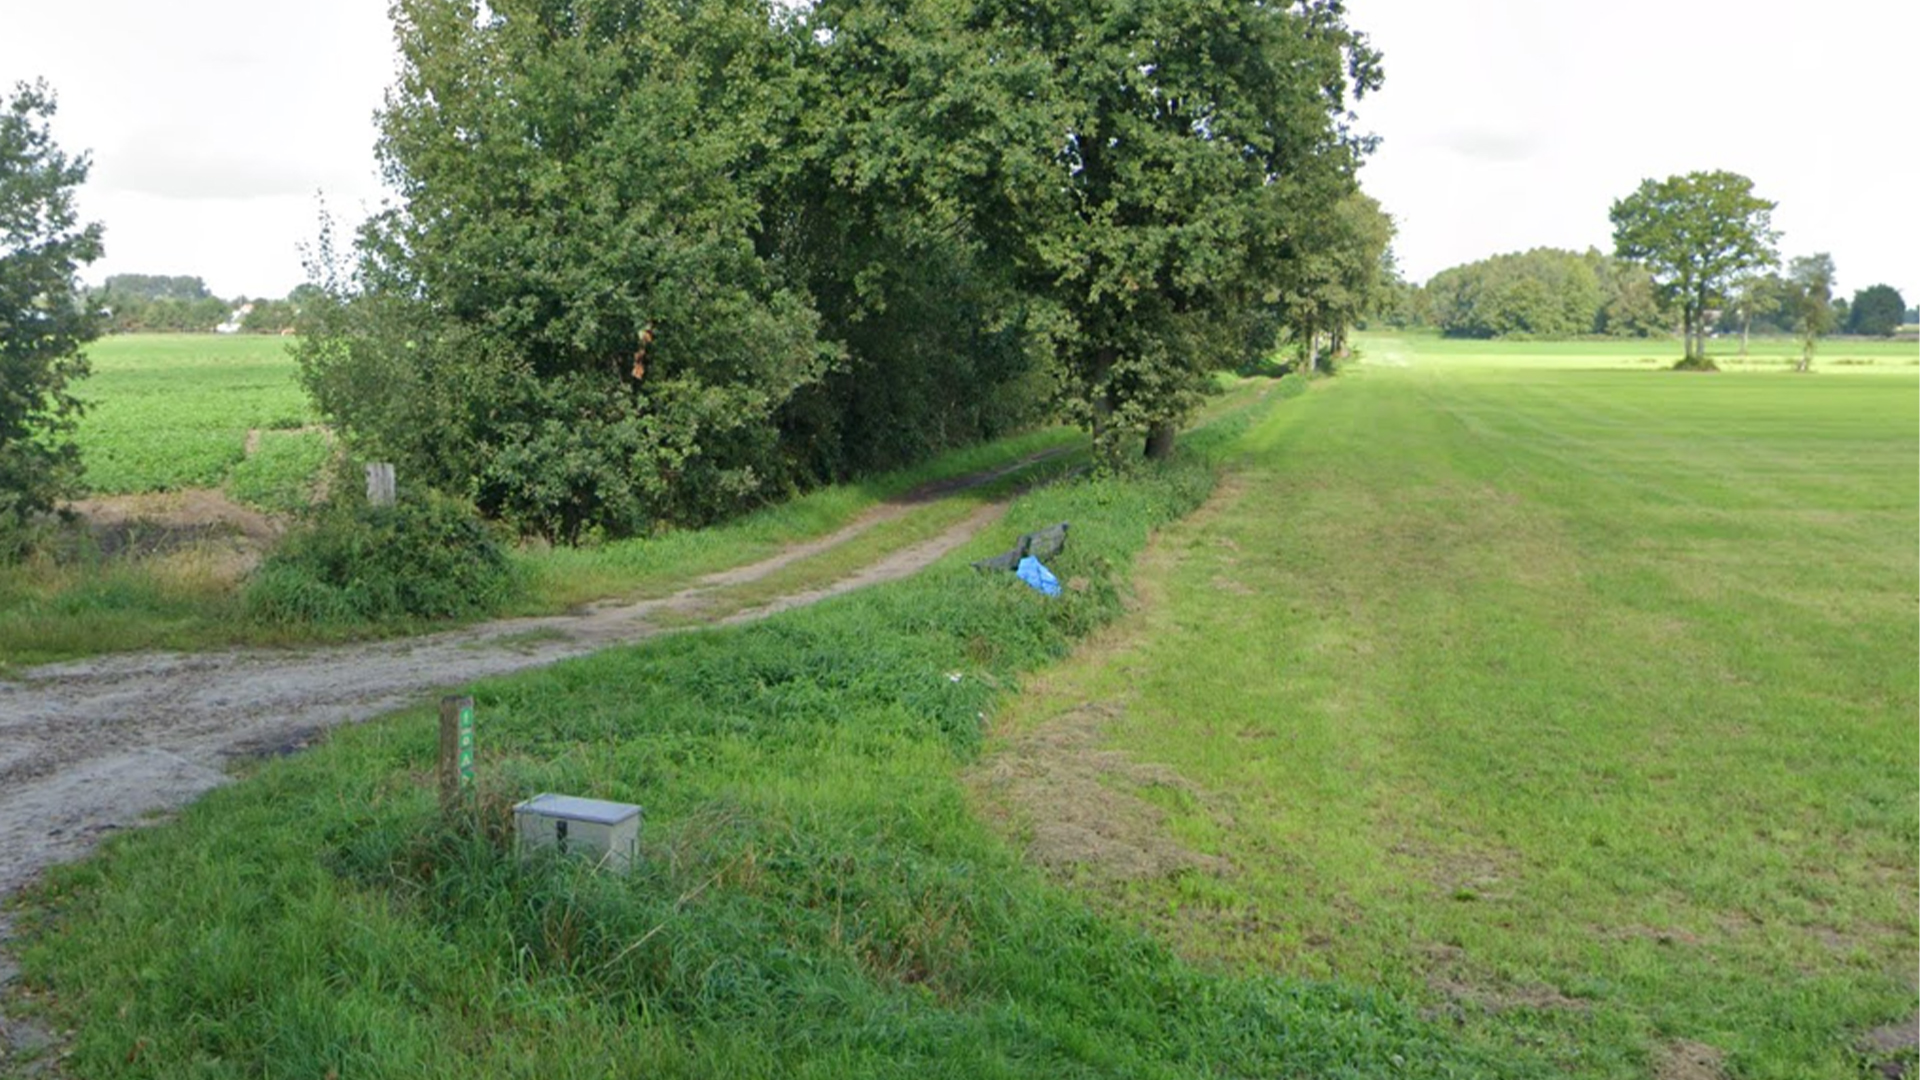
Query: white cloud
x=1507 y=124
x=212 y=124
x=1510 y=124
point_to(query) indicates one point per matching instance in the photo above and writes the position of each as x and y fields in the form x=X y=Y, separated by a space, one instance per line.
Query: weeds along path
x=87 y=747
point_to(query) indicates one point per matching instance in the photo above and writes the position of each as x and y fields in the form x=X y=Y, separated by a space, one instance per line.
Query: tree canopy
x=655 y=260
x=43 y=323
x=1339 y=272
x=1809 y=302
x=1877 y=310
x=1545 y=293
x=1696 y=234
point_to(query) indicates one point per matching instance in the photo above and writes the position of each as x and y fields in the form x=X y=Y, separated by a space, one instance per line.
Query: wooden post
x=380 y=483
x=456 y=750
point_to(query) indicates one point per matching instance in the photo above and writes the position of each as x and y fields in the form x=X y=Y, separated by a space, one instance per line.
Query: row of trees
x=659 y=259
x=1697 y=250
x=179 y=303
x=1709 y=243
x=1546 y=292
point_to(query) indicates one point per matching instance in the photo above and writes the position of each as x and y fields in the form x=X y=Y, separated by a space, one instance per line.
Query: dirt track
x=92 y=746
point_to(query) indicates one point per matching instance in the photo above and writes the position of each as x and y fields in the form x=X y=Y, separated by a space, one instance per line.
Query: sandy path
x=91 y=746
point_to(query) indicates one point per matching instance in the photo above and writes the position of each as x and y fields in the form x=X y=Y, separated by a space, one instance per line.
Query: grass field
x=1832 y=356
x=815 y=899
x=1508 y=711
x=1576 y=703
x=170 y=411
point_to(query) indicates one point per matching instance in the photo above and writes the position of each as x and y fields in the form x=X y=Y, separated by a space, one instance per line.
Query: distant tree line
x=1542 y=293
x=136 y=303
x=1552 y=293
x=656 y=261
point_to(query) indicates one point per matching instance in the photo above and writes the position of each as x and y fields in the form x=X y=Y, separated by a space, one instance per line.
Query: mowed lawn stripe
x=1578 y=702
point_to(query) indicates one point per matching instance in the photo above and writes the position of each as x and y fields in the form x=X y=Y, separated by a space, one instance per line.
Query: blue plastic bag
x=1038 y=576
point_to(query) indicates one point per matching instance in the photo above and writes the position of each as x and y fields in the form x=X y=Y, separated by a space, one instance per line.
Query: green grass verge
x=816 y=898
x=1577 y=704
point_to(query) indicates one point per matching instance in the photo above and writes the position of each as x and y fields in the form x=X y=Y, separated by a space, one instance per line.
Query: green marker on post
x=466 y=745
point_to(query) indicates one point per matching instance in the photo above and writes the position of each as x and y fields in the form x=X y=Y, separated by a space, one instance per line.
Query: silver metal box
x=606 y=832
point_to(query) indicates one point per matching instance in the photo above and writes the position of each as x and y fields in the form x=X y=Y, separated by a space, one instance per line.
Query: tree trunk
x=1160 y=437
x=1337 y=342
x=1746 y=321
x=1313 y=351
x=1106 y=449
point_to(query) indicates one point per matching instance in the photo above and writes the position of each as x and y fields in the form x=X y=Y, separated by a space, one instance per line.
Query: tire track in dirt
x=92 y=746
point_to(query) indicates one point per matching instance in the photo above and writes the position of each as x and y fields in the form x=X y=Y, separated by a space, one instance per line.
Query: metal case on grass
x=606 y=832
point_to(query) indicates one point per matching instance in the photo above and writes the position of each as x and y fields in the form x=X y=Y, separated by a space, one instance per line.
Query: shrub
x=427 y=557
x=1292 y=385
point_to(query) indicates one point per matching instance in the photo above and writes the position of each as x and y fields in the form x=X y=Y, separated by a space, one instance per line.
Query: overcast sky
x=1506 y=124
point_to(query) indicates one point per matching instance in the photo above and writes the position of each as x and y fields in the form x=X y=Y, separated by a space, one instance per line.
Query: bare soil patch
x=1080 y=806
x=1684 y=1059
x=159 y=522
x=1893 y=1048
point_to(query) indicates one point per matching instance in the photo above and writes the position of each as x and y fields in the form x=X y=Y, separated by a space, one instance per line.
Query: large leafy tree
x=566 y=316
x=1143 y=170
x=1697 y=234
x=1876 y=310
x=43 y=323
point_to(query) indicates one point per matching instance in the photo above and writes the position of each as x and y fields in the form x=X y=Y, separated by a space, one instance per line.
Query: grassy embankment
x=816 y=898
x=174 y=411
x=1577 y=704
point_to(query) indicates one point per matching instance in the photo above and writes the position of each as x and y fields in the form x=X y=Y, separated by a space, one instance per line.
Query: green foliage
x=1809 y=301
x=1138 y=167
x=1697 y=234
x=1540 y=293
x=1291 y=385
x=426 y=557
x=1338 y=271
x=42 y=321
x=1876 y=311
x=657 y=262
x=567 y=317
x=155 y=287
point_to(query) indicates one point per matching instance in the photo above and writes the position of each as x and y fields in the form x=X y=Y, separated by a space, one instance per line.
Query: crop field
x=171 y=411
x=1575 y=703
